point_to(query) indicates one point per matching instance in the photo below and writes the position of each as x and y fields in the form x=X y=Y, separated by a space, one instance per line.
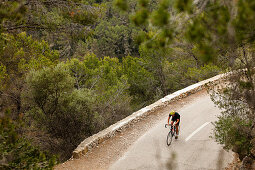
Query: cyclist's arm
x=168 y=120
x=177 y=121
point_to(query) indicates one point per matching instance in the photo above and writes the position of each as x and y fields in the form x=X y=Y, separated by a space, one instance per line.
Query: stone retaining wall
x=103 y=135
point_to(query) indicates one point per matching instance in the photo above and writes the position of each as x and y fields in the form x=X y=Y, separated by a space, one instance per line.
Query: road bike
x=171 y=133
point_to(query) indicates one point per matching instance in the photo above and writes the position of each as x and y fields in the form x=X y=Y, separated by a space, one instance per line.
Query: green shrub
x=202 y=73
x=58 y=108
x=233 y=132
x=17 y=152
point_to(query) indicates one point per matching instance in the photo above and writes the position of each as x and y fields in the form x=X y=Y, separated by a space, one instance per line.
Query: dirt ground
x=235 y=164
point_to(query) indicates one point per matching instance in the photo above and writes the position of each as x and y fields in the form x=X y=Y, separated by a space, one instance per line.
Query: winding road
x=143 y=145
x=193 y=150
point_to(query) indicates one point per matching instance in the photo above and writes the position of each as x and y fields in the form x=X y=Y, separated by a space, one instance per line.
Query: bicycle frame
x=170 y=134
x=172 y=129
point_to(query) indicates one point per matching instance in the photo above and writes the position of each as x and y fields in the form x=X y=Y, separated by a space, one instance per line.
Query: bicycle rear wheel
x=169 y=138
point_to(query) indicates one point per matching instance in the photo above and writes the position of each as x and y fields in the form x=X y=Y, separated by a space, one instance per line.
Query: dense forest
x=70 y=68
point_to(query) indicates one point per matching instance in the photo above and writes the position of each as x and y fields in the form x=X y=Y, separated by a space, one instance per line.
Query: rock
x=253 y=147
x=253 y=142
x=247 y=163
x=253 y=151
x=253 y=132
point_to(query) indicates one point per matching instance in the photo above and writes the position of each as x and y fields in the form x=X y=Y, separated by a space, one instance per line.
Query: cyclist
x=175 y=118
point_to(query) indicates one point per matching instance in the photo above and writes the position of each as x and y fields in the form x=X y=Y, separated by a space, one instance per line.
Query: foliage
x=106 y=79
x=17 y=152
x=233 y=133
x=234 y=127
x=55 y=105
x=111 y=39
x=244 y=21
x=19 y=54
x=141 y=81
x=75 y=99
x=155 y=60
x=62 y=23
x=12 y=11
x=173 y=70
x=177 y=76
x=114 y=35
x=122 y=4
x=153 y=16
x=202 y=73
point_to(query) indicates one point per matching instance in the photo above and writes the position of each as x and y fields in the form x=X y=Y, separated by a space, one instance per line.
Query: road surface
x=143 y=145
x=193 y=150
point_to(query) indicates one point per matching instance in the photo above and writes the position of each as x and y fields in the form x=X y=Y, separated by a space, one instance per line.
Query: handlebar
x=168 y=125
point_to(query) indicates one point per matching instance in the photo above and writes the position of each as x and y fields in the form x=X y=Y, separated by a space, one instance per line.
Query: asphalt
x=194 y=150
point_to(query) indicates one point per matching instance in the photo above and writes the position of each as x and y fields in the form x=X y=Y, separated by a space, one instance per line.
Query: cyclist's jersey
x=175 y=117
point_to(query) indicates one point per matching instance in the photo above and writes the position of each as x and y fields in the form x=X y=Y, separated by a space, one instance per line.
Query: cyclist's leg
x=177 y=128
x=172 y=122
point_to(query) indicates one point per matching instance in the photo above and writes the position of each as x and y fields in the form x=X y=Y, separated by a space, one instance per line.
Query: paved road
x=192 y=151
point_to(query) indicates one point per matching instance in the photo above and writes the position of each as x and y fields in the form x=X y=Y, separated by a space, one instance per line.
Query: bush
x=107 y=81
x=58 y=108
x=233 y=132
x=202 y=73
x=234 y=127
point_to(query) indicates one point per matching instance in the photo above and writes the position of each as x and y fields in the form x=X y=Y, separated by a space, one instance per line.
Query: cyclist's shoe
x=176 y=137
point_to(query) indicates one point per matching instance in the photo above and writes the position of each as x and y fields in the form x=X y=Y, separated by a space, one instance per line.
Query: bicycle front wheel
x=169 y=138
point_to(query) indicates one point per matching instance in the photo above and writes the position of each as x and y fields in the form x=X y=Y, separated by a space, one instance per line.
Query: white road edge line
x=198 y=129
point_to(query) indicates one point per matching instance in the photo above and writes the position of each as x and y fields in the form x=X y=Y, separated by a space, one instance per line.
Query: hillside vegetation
x=69 y=69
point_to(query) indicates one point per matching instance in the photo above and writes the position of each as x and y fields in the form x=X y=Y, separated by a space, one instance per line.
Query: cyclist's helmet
x=172 y=113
